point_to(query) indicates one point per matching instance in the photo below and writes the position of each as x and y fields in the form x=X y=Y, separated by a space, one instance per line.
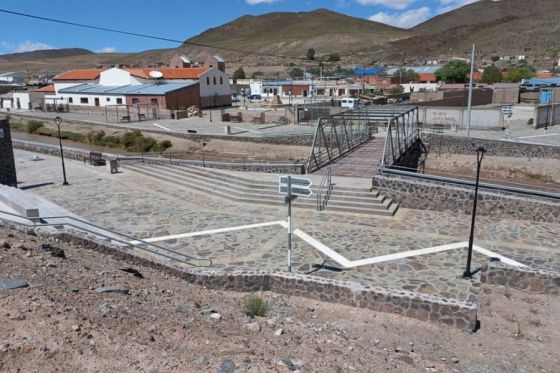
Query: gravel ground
x=61 y=323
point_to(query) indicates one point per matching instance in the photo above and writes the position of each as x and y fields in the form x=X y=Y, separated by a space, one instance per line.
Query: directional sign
x=299 y=186
x=507 y=110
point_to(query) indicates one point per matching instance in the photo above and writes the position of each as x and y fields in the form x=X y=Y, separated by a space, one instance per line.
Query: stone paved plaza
x=145 y=207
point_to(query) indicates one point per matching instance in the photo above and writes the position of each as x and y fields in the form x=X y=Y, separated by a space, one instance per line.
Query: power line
x=202 y=45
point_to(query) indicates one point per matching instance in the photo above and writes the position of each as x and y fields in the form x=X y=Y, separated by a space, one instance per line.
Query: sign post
x=293 y=187
x=507 y=110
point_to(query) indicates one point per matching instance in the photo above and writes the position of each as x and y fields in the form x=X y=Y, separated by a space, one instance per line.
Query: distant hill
x=506 y=27
x=294 y=33
x=45 y=54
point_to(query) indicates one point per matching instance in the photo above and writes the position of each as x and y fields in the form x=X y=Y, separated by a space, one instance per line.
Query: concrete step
x=244 y=190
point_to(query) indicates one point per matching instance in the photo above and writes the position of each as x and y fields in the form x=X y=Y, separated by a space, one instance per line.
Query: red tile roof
x=85 y=74
x=46 y=89
x=171 y=73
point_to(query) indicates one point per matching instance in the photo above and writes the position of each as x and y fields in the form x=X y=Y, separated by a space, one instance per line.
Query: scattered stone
x=112 y=289
x=76 y=328
x=23 y=247
x=13 y=284
x=5 y=244
x=279 y=332
x=203 y=360
x=215 y=316
x=405 y=359
x=73 y=290
x=402 y=349
x=206 y=311
x=132 y=271
x=292 y=363
x=430 y=366
x=227 y=366
x=454 y=360
x=58 y=253
x=44 y=247
x=253 y=326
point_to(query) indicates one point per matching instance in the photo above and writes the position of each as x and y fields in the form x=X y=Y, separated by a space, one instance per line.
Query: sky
x=176 y=19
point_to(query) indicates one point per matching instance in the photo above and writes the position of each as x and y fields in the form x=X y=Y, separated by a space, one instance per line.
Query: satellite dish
x=156 y=74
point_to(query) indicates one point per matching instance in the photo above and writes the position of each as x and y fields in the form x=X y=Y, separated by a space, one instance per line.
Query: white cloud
x=395 y=4
x=255 y=2
x=407 y=19
x=107 y=50
x=448 y=5
x=29 y=46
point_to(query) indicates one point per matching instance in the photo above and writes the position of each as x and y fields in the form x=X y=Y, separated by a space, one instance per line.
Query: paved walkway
x=144 y=207
x=361 y=162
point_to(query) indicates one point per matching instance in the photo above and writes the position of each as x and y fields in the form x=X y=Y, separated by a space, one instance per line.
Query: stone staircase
x=244 y=190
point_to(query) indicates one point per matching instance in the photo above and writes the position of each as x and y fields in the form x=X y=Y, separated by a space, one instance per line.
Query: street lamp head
x=58 y=121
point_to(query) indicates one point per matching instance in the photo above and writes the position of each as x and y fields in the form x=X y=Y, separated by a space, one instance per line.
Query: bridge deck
x=361 y=162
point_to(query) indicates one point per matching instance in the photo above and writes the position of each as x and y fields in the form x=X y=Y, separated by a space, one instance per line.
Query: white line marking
x=336 y=256
x=530 y=137
x=491 y=254
x=208 y=232
x=248 y=130
x=157 y=125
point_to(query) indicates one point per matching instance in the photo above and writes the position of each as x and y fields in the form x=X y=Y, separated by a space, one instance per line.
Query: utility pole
x=58 y=122
x=469 y=108
x=289 y=223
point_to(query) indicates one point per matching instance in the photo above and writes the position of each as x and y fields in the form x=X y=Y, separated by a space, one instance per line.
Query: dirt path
x=61 y=323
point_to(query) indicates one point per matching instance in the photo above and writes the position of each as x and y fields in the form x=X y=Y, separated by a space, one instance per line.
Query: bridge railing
x=402 y=131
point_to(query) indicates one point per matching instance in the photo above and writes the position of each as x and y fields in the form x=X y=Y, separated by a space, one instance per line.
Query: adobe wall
x=7 y=164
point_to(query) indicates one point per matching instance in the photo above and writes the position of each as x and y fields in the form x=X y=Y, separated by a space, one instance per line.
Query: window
x=214 y=80
x=84 y=100
x=70 y=100
x=207 y=80
x=154 y=101
x=119 y=101
x=221 y=80
x=135 y=101
x=108 y=99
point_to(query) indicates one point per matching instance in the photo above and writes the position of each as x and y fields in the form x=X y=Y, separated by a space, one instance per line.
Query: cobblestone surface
x=143 y=207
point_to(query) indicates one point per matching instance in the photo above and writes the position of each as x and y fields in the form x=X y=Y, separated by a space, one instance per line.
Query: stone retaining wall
x=434 y=196
x=525 y=279
x=466 y=145
x=431 y=308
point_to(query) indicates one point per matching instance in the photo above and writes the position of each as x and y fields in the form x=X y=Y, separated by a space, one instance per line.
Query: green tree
x=257 y=75
x=310 y=54
x=315 y=71
x=517 y=74
x=239 y=74
x=296 y=73
x=334 y=57
x=492 y=75
x=454 y=72
x=396 y=90
x=407 y=76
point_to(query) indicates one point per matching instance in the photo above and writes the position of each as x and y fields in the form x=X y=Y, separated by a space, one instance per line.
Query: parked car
x=350 y=103
x=255 y=97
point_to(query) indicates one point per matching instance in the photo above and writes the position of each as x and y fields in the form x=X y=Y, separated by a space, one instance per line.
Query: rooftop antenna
x=157 y=75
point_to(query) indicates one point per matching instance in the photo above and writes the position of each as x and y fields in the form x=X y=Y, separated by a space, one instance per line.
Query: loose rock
x=253 y=326
x=112 y=289
x=227 y=366
x=13 y=284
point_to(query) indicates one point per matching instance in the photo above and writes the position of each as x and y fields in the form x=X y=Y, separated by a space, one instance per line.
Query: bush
x=72 y=136
x=163 y=145
x=33 y=126
x=256 y=306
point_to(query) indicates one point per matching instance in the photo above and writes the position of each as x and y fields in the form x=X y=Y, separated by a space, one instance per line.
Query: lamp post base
x=467 y=274
x=65 y=183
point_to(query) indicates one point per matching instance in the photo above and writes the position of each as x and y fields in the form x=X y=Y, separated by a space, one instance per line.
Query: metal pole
x=289 y=223
x=470 y=94
x=479 y=155
x=58 y=121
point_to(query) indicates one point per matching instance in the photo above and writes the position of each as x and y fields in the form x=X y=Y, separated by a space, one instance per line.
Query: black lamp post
x=58 y=121
x=479 y=155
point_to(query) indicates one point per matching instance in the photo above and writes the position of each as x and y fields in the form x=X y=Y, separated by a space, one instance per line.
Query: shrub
x=33 y=126
x=72 y=136
x=256 y=306
x=163 y=145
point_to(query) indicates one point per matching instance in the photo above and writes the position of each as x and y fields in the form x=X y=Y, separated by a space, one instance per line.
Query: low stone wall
x=81 y=155
x=426 y=195
x=525 y=279
x=466 y=145
x=431 y=308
